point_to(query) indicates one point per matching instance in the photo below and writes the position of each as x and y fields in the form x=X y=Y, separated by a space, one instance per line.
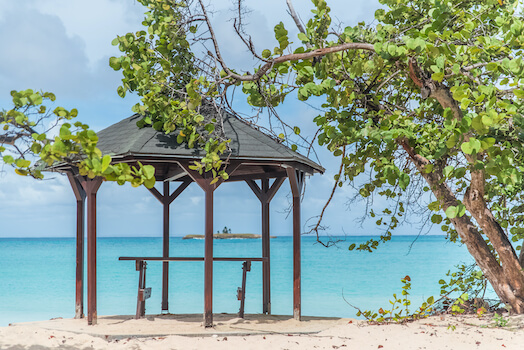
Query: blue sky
x=64 y=47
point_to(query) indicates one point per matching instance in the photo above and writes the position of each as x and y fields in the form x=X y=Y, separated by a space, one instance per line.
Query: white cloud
x=64 y=46
x=33 y=208
x=97 y=22
x=41 y=54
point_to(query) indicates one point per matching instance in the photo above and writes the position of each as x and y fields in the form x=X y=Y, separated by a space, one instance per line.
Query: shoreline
x=272 y=332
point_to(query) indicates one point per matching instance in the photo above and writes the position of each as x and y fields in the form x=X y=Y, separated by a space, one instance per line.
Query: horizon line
x=284 y=235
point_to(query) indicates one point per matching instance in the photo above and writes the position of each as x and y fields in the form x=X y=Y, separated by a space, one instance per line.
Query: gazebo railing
x=144 y=292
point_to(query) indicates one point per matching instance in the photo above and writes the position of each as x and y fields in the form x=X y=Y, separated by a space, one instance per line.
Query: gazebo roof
x=124 y=141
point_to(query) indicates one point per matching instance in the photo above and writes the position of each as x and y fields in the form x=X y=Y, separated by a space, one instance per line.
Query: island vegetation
x=226 y=234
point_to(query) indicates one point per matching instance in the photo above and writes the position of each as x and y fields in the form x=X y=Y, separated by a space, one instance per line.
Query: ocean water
x=38 y=275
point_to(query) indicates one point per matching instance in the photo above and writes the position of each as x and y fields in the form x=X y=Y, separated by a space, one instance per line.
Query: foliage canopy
x=430 y=94
x=27 y=136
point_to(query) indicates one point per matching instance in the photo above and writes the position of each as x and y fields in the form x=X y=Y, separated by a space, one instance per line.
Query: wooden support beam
x=256 y=190
x=80 y=196
x=208 y=260
x=166 y=199
x=178 y=191
x=157 y=194
x=274 y=188
x=266 y=272
x=296 y=180
x=205 y=182
x=265 y=194
x=165 y=247
x=257 y=176
x=91 y=187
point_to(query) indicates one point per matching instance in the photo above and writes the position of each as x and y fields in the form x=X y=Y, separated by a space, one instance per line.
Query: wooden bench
x=144 y=293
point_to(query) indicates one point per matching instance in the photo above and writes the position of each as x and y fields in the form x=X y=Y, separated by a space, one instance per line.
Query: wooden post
x=296 y=180
x=91 y=187
x=79 y=295
x=80 y=222
x=166 y=199
x=165 y=248
x=265 y=195
x=204 y=181
x=266 y=273
x=208 y=260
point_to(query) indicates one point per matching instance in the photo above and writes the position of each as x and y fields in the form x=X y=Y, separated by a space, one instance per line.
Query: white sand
x=438 y=333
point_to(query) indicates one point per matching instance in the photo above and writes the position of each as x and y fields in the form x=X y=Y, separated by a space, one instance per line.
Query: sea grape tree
x=432 y=92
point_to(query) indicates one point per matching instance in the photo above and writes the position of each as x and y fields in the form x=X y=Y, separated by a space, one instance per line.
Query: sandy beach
x=265 y=332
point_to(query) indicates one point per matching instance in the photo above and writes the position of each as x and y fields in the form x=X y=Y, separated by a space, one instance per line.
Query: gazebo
x=255 y=157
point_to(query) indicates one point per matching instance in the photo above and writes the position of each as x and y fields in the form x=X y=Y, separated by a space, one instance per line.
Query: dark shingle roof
x=247 y=143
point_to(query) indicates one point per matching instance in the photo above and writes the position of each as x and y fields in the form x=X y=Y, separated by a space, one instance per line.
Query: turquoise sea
x=37 y=275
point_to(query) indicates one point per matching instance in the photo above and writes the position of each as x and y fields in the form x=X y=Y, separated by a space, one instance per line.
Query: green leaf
x=149 y=183
x=266 y=53
x=428 y=168
x=121 y=92
x=452 y=141
x=461 y=210
x=451 y=212
x=302 y=37
x=209 y=128
x=403 y=180
x=22 y=163
x=519 y=93
x=438 y=76
x=8 y=159
x=448 y=171
x=114 y=63
x=436 y=218
x=21 y=172
x=149 y=171
x=36 y=99
x=473 y=146
x=492 y=66
x=106 y=160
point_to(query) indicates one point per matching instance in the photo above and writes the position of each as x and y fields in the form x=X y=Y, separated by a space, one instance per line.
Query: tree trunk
x=511 y=267
x=506 y=277
x=507 y=280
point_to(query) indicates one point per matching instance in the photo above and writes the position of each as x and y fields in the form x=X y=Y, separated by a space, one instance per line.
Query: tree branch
x=321 y=216
x=291 y=57
x=294 y=15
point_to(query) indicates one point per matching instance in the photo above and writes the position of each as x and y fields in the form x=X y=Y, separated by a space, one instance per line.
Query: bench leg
x=246 y=266
x=141 y=298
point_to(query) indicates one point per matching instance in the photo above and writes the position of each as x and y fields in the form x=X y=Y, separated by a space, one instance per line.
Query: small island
x=226 y=234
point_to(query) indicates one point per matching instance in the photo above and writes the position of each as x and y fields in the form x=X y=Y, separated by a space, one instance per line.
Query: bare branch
x=388 y=80
x=300 y=56
x=478 y=65
x=321 y=216
x=294 y=15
